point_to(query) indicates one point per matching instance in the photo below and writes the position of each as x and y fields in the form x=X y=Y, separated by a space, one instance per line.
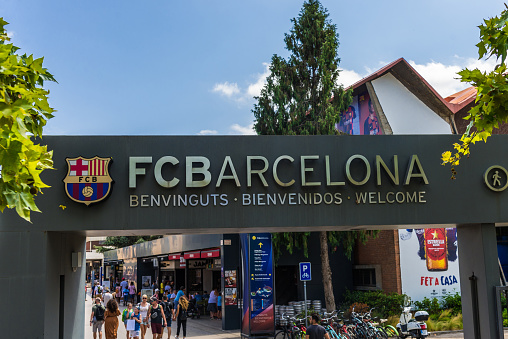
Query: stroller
x=193 y=309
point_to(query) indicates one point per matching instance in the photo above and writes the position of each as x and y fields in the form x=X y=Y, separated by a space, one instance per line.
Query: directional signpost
x=305 y=275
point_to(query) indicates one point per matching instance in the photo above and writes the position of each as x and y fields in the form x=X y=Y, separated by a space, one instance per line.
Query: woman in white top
x=143 y=311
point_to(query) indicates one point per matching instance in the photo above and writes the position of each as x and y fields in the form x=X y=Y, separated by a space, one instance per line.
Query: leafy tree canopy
x=112 y=243
x=491 y=104
x=24 y=112
x=291 y=241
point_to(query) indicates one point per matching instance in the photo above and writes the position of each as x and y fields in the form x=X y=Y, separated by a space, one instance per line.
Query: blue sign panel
x=262 y=312
x=305 y=274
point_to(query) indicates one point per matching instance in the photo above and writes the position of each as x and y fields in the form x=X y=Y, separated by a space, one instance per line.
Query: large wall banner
x=360 y=118
x=258 y=303
x=428 y=262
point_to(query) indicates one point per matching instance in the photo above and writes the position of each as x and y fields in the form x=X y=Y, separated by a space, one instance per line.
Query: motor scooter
x=409 y=326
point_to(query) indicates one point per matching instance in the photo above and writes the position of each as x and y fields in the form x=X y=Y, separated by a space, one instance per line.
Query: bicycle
x=289 y=331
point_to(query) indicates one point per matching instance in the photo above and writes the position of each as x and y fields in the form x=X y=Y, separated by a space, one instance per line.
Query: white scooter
x=409 y=326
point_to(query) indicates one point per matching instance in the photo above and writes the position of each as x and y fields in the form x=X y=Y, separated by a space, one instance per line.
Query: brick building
x=404 y=103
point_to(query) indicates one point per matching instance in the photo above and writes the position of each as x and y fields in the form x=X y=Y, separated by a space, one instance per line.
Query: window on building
x=367 y=277
x=364 y=277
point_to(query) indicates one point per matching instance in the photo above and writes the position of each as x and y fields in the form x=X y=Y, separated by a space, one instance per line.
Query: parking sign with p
x=305 y=274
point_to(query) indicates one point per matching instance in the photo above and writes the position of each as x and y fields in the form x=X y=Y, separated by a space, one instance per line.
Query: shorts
x=133 y=334
x=212 y=307
x=97 y=326
x=219 y=308
x=156 y=328
x=168 y=320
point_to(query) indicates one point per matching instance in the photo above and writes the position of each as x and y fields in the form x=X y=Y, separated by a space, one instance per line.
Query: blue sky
x=191 y=67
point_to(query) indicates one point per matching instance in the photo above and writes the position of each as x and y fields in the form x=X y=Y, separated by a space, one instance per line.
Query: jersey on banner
x=428 y=262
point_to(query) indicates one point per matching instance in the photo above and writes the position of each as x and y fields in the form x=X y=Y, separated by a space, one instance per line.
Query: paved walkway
x=196 y=328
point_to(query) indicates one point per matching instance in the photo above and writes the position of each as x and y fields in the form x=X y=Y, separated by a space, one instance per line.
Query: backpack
x=182 y=314
x=99 y=313
x=99 y=289
x=166 y=307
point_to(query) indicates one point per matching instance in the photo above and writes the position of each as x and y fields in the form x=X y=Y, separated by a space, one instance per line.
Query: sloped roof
x=416 y=84
x=458 y=98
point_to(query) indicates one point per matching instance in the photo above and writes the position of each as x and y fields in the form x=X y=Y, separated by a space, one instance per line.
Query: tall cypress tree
x=302 y=97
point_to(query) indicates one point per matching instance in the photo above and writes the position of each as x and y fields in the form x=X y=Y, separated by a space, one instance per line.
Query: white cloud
x=255 y=89
x=441 y=76
x=444 y=77
x=208 y=132
x=226 y=89
x=10 y=34
x=349 y=77
x=243 y=95
x=243 y=130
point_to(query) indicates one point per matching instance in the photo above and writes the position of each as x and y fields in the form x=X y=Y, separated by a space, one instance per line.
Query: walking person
x=143 y=310
x=219 y=306
x=132 y=292
x=118 y=292
x=124 y=285
x=111 y=319
x=169 y=311
x=181 y=316
x=97 y=318
x=212 y=304
x=316 y=331
x=126 y=315
x=98 y=290
x=125 y=294
x=137 y=325
x=107 y=296
x=157 y=319
x=179 y=294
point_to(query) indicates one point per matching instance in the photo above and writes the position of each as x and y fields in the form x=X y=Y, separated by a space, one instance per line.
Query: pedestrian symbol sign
x=305 y=274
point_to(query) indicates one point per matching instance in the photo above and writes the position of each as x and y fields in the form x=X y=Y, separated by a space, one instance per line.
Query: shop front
x=113 y=273
x=203 y=270
x=172 y=270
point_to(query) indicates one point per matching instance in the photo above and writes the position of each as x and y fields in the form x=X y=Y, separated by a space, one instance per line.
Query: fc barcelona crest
x=88 y=180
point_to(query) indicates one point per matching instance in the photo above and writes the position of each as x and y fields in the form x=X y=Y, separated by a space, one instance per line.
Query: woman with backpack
x=181 y=316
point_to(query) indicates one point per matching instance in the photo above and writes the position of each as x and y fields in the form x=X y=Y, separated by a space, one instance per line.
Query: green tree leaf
x=24 y=111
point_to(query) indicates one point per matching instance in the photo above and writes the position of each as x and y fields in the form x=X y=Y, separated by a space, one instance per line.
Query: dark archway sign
x=106 y=185
x=240 y=183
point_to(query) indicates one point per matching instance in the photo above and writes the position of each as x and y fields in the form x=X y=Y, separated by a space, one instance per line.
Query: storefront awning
x=211 y=253
x=192 y=255
x=174 y=257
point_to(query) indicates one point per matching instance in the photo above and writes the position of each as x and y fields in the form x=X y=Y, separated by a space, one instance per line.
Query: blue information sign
x=305 y=274
x=258 y=303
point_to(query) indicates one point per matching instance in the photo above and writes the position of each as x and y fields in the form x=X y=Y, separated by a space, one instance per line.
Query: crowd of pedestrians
x=156 y=312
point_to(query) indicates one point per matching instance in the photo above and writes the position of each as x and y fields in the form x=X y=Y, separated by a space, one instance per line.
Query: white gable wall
x=406 y=114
